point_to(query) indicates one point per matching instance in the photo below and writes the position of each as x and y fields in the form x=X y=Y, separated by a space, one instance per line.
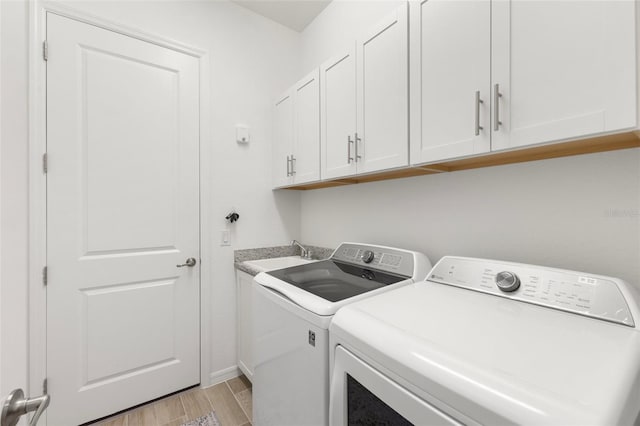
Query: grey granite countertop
x=241 y=256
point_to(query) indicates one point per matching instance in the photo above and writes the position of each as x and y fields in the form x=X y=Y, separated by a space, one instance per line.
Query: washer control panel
x=592 y=296
x=375 y=257
x=367 y=256
x=507 y=281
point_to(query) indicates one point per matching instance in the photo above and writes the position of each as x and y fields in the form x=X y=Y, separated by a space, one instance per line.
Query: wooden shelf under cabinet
x=555 y=150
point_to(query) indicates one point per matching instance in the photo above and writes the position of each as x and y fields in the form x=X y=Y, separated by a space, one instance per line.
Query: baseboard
x=248 y=374
x=222 y=376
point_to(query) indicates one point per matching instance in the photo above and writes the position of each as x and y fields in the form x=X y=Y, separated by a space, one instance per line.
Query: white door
x=283 y=141
x=306 y=164
x=565 y=69
x=122 y=213
x=450 y=79
x=383 y=95
x=338 y=116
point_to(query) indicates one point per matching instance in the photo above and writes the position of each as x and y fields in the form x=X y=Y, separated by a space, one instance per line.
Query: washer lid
x=322 y=287
x=335 y=281
x=353 y=272
x=497 y=360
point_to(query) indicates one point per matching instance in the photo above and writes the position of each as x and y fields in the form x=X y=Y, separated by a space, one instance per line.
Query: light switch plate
x=242 y=134
x=225 y=238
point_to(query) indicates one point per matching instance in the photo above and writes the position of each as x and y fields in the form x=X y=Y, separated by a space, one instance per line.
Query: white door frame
x=37 y=183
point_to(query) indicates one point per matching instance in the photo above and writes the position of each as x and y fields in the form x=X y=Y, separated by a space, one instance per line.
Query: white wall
x=249 y=57
x=13 y=196
x=338 y=27
x=579 y=213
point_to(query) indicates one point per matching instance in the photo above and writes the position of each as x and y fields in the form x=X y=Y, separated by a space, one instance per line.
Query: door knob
x=16 y=406
x=189 y=262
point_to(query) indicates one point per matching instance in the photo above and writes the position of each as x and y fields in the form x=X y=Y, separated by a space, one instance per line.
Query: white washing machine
x=489 y=342
x=293 y=308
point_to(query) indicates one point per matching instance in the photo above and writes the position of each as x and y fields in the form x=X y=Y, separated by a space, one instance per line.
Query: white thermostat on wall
x=242 y=134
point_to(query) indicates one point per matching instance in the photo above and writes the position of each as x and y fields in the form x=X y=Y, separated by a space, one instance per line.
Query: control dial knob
x=367 y=256
x=507 y=281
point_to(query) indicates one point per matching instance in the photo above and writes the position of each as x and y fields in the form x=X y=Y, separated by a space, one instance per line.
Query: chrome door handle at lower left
x=16 y=406
x=189 y=262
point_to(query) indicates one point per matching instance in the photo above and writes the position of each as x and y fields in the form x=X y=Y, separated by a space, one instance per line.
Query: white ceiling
x=295 y=14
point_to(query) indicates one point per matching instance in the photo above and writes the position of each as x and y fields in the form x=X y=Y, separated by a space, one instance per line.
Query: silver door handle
x=478 y=102
x=496 y=107
x=190 y=262
x=288 y=172
x=16 y=406
x=293 y=165
x=358 y=156
x=349 y=142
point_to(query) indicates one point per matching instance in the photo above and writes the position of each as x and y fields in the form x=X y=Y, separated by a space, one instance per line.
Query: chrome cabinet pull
x=358 y=156
x=496 y=107
x=293 y=165
x=190 y=262
x=288 y=172
x=349 y=142
x=478 y=102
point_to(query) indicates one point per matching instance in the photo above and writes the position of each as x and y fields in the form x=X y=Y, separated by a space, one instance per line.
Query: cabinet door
x=244 y=287
x=565 y=69
x=450 y=79
x=283 y=140
x=383 y=91
x=306 y=113
x=338 y=116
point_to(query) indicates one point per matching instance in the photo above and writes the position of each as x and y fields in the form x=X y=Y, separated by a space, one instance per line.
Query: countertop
x=241 y=256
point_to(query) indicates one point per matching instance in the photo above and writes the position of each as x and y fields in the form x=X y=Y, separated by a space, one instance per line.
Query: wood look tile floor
x=231 y=400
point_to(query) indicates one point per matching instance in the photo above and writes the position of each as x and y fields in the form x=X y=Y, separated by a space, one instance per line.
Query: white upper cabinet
x=565 y=69
x=283 y=140
x=383 y=95
x=296 y=145
x=494 y=75
x=364 y=102
x=306 y=124
x=338 y=115
x=465 y=78
x=450 y=79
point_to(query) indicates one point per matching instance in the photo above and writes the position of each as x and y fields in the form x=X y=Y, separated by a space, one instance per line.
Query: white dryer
x=293 y=308
x=489 y=342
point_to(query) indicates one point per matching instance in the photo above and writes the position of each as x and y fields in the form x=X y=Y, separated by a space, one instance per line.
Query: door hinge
x=45 y=275
x=45 y=50
x=45 y=163
x=45 y=386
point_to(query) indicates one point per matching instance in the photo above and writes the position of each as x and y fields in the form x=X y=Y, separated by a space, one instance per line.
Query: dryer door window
x=364 y=408
x=361 y=395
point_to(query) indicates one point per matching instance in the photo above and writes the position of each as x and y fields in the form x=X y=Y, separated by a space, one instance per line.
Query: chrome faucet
x=304 y=253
